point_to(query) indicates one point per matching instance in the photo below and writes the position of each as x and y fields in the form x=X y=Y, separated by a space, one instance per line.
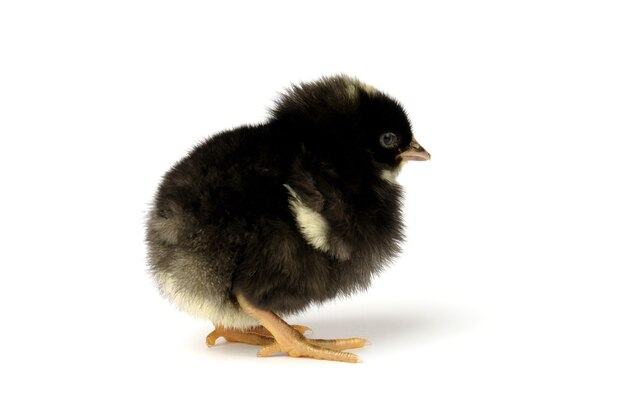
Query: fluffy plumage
x=294 y=211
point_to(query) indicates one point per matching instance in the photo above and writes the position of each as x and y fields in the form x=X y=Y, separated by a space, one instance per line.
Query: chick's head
x=350 y=120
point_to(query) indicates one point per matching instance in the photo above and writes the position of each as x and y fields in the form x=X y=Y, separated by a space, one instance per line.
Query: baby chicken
x=262 y=221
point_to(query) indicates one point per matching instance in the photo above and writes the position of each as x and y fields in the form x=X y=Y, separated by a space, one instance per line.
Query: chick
x=265 y=220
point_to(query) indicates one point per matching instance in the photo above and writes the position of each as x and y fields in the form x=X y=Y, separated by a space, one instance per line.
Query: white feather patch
x=311 y=224
x=218 y=310
x=389 y=175
x=353 y=86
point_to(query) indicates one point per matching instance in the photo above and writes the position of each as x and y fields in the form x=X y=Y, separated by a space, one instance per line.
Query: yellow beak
x=415 y=152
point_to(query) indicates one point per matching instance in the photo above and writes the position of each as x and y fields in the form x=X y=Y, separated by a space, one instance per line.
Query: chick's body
x=287 y=213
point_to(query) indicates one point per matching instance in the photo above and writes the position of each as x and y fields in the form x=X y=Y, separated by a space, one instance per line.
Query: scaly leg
x=289 y=340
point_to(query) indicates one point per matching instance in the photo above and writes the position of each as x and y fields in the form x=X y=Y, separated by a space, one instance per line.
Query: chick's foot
x=264 y=332
x=317 y=348
x=289 y=340
x=240 y=336
x=259 y=335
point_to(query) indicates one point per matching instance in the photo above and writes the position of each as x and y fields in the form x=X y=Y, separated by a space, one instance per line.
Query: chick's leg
x=289 y=340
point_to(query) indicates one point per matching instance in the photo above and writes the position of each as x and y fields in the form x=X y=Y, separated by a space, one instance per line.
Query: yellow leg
x=289 y=340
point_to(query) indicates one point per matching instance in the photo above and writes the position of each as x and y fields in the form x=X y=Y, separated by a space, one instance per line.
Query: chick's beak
x=414 y=153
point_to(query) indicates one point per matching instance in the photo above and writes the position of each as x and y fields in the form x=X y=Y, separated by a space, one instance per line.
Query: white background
x=508 y=300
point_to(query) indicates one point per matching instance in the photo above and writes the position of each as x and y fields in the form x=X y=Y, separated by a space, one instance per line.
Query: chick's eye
x=389 y=140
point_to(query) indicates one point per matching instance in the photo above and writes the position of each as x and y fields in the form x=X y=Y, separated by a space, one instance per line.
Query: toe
x=340 y=344
x=269 y=350
x=302 y=329
x=212 y=338
x=315 y=352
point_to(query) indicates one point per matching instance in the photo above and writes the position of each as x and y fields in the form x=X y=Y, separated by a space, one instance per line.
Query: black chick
x=268 y=219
